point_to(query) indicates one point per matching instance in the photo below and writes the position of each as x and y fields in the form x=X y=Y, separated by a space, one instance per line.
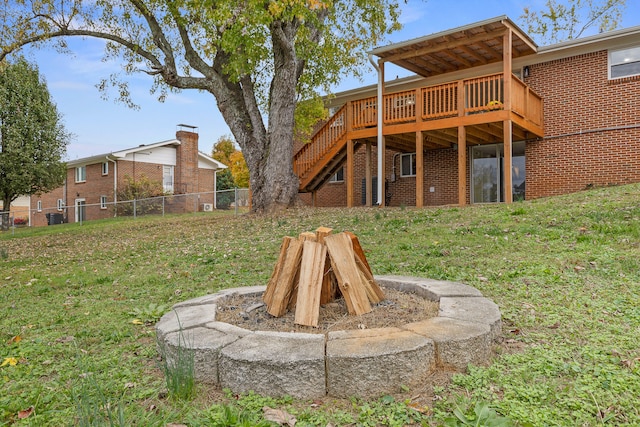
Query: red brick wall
x=581 y=148
x=95 y=186
x=580 y=107
x=441 y=173
x=186 y=172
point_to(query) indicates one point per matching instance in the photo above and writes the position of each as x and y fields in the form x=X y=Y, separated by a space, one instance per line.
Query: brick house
x=484 y=99
x=93 y=183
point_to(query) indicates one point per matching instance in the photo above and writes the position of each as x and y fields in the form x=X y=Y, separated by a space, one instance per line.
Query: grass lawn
x=77 y=342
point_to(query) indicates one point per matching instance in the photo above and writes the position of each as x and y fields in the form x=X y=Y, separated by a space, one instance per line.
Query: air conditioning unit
x=207 y=207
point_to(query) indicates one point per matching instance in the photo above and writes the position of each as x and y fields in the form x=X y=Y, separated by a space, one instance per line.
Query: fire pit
x=343 y=363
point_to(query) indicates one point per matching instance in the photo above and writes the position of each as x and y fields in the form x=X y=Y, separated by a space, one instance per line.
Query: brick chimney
x=186 y=173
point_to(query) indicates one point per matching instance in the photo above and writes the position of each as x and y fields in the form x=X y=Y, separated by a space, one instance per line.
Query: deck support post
x=349 y=173
x=381 y=142
x=419 y=170
x=462 y=166
x=368 y=175
x=508 y=161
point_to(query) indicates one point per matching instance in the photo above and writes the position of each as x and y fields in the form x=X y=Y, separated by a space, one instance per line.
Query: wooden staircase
x=323 y=155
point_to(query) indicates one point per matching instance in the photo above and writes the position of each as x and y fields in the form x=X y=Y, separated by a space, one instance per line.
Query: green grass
x=565 y=272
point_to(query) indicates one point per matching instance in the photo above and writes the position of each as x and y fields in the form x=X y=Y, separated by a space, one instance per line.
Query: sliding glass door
x=487 y=171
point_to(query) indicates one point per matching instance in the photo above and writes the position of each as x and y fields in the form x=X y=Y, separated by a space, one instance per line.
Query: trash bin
x=54 y=218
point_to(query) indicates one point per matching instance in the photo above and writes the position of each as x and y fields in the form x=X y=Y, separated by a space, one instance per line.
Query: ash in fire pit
x=399 y=308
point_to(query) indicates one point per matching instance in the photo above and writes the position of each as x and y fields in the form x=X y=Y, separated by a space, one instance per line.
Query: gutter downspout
x=379 y=108
x=115 y=185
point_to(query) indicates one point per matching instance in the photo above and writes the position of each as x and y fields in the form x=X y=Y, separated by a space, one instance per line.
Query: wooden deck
x=435 y=112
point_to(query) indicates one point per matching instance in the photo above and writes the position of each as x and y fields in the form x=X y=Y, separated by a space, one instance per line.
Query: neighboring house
x=19 y=209
x=485 y=99
x=93 y=183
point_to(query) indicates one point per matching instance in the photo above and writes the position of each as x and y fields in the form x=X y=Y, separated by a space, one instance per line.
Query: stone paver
x=428 y=288
x=474 y=310
x=458 y=343
x=185 y=317
x=275 y=364
x=205 y=344
x=372 y=362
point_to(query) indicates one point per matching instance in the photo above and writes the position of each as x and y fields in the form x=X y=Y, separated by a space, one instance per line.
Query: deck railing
x=459 y=98
x=321 y=143
x=525 y=102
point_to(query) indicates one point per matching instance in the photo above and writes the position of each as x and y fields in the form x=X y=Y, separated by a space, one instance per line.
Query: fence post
x=236 y=199
x=134 y=208
x=163 y=197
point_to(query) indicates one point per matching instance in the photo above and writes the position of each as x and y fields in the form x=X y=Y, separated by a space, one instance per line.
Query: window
x=408 y=165
x=103 y=202
x=81 y=174
x=39 y=206
x=338 y=176
x=105 y=168
x=60 y=204
x=167 y=179
x=624 y=63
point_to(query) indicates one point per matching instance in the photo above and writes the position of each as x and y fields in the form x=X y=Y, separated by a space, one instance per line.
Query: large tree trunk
x=268 y=153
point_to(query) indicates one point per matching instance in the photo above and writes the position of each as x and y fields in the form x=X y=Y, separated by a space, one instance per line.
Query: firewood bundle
x=315 y=269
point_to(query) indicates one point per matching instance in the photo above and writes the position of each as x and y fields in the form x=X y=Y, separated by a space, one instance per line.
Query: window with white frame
x=105 y=168
x=338 y=176
x=60 y=204
x=81 y=174
x=39 y=206
x=103 y=202
x=408 y=164
x=167 y=179
x=624 y=63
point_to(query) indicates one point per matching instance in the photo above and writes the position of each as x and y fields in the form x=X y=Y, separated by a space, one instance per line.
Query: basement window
x=338 y=176
x=408 y=165
x=624 y=63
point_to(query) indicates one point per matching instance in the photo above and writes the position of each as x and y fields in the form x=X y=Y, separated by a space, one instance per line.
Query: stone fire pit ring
x=363 y=363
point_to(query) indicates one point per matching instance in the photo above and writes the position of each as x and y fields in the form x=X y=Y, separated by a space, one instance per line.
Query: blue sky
x=102 y=126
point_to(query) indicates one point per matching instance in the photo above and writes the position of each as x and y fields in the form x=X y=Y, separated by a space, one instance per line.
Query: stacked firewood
x=315 y=269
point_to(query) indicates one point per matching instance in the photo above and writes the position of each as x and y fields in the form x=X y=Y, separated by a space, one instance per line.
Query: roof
x=114 y=155
x=459 y=48
x=404 y=53
x=211 y=160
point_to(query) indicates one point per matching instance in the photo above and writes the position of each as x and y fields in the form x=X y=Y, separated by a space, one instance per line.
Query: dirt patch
x=399 y=308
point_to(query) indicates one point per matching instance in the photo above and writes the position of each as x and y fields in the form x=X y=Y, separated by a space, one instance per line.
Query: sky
x=102 y=126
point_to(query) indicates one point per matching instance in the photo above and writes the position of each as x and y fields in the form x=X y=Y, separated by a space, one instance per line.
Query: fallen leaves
x=16 y=339
x=279 y=416
x=9 y=361
x=26 y=413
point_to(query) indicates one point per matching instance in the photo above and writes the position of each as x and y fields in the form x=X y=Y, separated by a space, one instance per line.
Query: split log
x=267 y=297
x=344 y=267
x=357 y=248
x=329 y=282
x=374 y=292
x=286 y=280
x=314 y=255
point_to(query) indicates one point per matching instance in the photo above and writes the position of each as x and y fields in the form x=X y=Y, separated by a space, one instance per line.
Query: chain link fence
x=234 y=200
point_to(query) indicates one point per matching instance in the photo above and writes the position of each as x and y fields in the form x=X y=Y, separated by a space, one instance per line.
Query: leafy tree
x=224 y=182
x=223 y=148
x=225 y=151
x=239 y=169
x=142 y=189
x=33 y=140
x=256 y=57
x=569 y=19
